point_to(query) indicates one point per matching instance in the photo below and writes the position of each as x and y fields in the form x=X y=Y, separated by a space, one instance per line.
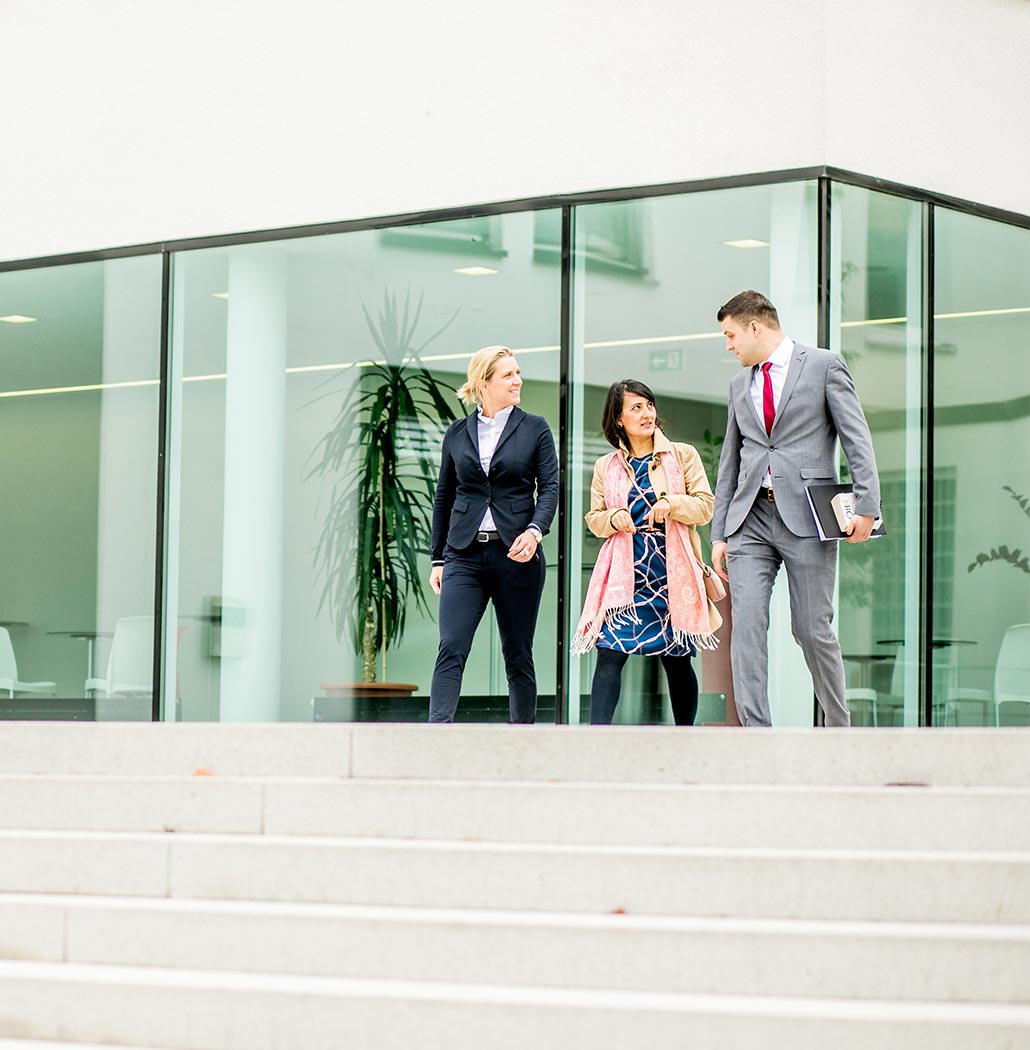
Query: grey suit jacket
x=818 y=405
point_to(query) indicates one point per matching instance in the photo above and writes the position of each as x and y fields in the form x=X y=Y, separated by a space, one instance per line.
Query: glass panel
x=981 y=584
x=649 y=277
x=875 y=311
x=79 y=433
x=269 y=342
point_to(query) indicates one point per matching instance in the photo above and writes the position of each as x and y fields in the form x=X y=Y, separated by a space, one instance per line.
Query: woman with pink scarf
x=646 y=594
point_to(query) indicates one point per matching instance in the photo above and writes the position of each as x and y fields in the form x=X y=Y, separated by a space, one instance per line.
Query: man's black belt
x=486 y=537
x=766 y=494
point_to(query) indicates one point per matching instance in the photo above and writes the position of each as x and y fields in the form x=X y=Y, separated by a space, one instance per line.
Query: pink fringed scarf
x=610 y=594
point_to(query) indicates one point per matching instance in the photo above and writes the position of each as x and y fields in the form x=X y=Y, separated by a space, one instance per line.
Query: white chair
x=9 y=683
x=893 y=703
x=869 y=706
x=944 y=672
x=1011 y=678
x=1012 y=671
x=884 y=707
x=861 y=701
x=881 y=709
x=126 y=693
x=962 y=696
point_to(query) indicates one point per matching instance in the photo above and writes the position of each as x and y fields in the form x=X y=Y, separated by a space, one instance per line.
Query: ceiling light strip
x=652 y=340
x=874 y=321
x=79 y=389
x=939 y=317
x=463 y=356
x=340 y=366
x=983 y=313
x=599 y=345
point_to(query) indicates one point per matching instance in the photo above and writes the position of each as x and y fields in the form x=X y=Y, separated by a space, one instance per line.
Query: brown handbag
x=713 y=584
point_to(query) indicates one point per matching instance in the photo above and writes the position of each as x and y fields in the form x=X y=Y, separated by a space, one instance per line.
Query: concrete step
x=47 y=1044
x=817 y=884
x=902 y=961
x=191 y=1010
x=641 y=754
x=637 y=754
x=94 y=802
x=618 y=814
x=651 y=815
x=470 y=886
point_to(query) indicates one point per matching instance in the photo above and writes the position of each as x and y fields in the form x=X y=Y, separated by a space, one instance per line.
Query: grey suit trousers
x=754 y=554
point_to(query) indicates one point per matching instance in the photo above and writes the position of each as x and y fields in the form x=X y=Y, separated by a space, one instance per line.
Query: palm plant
x=1016 y=558
x=381 y=456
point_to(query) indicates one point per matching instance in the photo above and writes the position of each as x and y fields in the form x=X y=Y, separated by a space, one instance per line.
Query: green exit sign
x=665 y=360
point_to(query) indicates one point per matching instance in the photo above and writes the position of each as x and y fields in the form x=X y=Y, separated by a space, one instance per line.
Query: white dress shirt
x=780 y=359
x=489 y=432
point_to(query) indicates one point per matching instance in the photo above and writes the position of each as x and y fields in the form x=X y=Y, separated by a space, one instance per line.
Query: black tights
x=607 y=684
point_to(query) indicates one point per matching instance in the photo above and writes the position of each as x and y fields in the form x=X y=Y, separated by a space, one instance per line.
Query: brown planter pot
x=367 y=690
x=356 y=701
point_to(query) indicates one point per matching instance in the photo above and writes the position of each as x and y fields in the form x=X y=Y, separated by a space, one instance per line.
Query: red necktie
x=767 y=399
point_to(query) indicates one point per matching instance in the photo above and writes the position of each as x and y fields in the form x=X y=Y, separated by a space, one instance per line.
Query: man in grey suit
x=787 y=408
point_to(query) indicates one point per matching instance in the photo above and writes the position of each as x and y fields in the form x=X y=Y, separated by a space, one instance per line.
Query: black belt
x=766 y=494
x=486 y=537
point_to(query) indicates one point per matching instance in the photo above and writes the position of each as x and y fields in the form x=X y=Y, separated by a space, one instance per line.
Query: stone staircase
x=289 y=887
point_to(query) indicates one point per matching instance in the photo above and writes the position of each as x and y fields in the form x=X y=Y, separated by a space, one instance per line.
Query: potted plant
x=380 y=459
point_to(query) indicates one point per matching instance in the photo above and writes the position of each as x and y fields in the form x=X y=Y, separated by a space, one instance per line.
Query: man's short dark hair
x=749 y=306
x=614 y=434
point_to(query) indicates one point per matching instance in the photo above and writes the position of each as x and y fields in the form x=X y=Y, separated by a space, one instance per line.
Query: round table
x=90 y=638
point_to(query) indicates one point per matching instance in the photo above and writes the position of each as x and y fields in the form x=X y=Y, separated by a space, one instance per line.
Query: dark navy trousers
x=480 y=573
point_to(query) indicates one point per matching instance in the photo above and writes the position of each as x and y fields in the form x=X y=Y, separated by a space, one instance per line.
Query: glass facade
x=655 y=322
x=79 y=419
x=876 y=310
x=981 y=458
x=273 y=482
x=292 y=507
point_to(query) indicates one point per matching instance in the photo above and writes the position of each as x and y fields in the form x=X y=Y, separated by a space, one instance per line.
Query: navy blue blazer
x=522 y=487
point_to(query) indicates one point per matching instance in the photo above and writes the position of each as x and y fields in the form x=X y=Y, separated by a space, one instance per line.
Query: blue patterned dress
x=652 y=636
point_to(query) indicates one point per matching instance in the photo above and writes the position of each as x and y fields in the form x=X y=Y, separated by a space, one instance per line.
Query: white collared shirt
x=489 y=432
x=780 y=359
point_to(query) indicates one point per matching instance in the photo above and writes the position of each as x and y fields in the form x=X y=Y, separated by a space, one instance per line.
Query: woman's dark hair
x=613 y=433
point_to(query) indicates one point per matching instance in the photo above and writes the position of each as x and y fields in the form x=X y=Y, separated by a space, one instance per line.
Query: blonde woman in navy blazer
x=495 y=499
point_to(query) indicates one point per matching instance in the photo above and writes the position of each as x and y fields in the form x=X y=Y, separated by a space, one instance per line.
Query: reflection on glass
x=269 y=342
x=655 y=321
x=79 y=415
x=614 y=240
x=981 y=584
x=876 y=298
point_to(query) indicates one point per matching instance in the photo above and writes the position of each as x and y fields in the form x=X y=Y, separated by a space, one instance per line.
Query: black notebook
x=829 y=514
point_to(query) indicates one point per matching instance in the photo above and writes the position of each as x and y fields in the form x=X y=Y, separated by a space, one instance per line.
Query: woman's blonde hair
x=481 y=369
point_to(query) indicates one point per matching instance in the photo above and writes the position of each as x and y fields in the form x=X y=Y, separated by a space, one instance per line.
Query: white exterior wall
x=131 y=121
x=934 y=95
